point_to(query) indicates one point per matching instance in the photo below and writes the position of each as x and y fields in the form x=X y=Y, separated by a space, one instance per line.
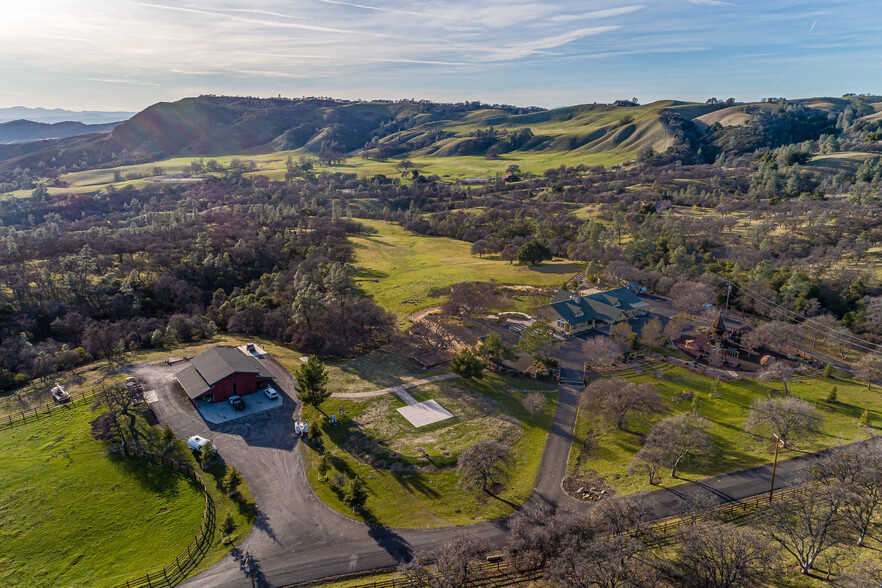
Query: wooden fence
x=190 y=558
x=36 y=413
x=187 y=560
x=487 y=573
x=500 y=573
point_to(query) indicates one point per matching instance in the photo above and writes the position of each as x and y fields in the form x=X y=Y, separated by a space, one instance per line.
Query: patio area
x=223 y=412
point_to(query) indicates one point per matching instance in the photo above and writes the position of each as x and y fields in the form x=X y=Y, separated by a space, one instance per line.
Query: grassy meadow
x=413 y=491
x=601 y=448
x=400 y=269
x=71 y=514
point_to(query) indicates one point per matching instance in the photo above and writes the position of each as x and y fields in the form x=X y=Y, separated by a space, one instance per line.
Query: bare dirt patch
x=103 y=428
x=593 y=486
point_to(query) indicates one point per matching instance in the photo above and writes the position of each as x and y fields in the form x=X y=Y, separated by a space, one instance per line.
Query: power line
x=840 y=335
x=802 y=319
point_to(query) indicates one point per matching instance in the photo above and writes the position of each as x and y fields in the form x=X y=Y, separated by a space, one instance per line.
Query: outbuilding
x=221 y=372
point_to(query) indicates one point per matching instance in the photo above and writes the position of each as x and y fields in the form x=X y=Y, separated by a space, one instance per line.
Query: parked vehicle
x=251 y=348
x=270 y=392
x=59 y=393
x=237 y=402
x=198 y=444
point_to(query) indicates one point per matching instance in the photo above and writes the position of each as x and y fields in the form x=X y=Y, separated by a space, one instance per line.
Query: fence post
x=35 y=413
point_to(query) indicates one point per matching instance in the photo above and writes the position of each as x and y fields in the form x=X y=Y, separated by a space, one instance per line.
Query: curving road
x=296 y=537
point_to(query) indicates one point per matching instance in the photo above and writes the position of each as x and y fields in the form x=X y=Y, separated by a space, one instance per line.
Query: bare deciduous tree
x=454 y=564
x=601 y=350
x=627 y=515
x=648 y=460
x=807 y=524
x=721 y=555
x=677 y=438
x=866 y=573
x=690 y=297
x=533 y=402
x=471 y=298
x=616 y=399
x=604 y=562
x=869 y=368
x=651 y=333
x=538 y=534
x=431 y=336
x=857 y=470
x=675 y=326
x=484 y=464
x=787 y=417
x=622 y=334
x=779 y=371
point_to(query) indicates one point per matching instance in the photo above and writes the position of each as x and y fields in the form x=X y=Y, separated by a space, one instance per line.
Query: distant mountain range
x=20 y=131
x=229 y=125
x=55 y=115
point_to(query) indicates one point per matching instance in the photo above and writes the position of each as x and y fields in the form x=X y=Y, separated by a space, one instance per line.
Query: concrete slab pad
x=258 y=351
x=150 y=397
x=424 y=413
x=223 y=412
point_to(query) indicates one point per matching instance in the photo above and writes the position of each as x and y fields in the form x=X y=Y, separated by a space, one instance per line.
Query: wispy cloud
x=606 y=13
x=532 y=50
x=520 y=50
x=712 y=3
x=121 y=81
x=267 y=23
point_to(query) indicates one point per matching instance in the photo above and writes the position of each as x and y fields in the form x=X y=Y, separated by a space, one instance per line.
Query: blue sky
x=128 y=54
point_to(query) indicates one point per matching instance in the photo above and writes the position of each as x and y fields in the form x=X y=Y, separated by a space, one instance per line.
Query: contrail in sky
x=813 y=26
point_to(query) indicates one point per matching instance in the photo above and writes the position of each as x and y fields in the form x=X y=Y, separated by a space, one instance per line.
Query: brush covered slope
x=334 y=129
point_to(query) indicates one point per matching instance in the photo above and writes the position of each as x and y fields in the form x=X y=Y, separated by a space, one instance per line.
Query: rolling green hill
x=379 y=131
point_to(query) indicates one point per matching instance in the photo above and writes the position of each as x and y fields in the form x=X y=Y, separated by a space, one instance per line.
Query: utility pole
x=728 y=291
x=774 y=466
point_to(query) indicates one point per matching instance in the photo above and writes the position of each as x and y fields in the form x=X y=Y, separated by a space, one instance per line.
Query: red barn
x=221 y=372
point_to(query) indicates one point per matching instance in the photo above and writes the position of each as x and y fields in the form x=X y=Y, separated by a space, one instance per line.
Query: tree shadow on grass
x=415 y=482
x=494 y=496
x=157 y=478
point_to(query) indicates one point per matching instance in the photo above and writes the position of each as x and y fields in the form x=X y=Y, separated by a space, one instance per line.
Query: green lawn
x=424 y=492
x=610 y=450
x=400 y=268
x=73 y=515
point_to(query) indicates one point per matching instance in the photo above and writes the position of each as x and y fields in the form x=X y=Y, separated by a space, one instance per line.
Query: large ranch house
x=571 y=314
x=221 y=372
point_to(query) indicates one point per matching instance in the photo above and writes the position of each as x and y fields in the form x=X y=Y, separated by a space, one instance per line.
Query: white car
x=197 y=443
x=270 y=392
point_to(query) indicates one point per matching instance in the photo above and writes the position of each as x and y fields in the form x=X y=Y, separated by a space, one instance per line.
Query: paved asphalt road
x=296 y=537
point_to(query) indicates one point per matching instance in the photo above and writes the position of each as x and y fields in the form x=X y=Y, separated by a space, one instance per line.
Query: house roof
x=584 y=310
x=606 y=306
x=562 y=295
x=719 y=325
x=620 y=298
x=212 y=366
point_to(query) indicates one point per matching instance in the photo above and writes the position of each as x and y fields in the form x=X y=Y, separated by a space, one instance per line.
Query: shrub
x=229 y=524
x=832 y=396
